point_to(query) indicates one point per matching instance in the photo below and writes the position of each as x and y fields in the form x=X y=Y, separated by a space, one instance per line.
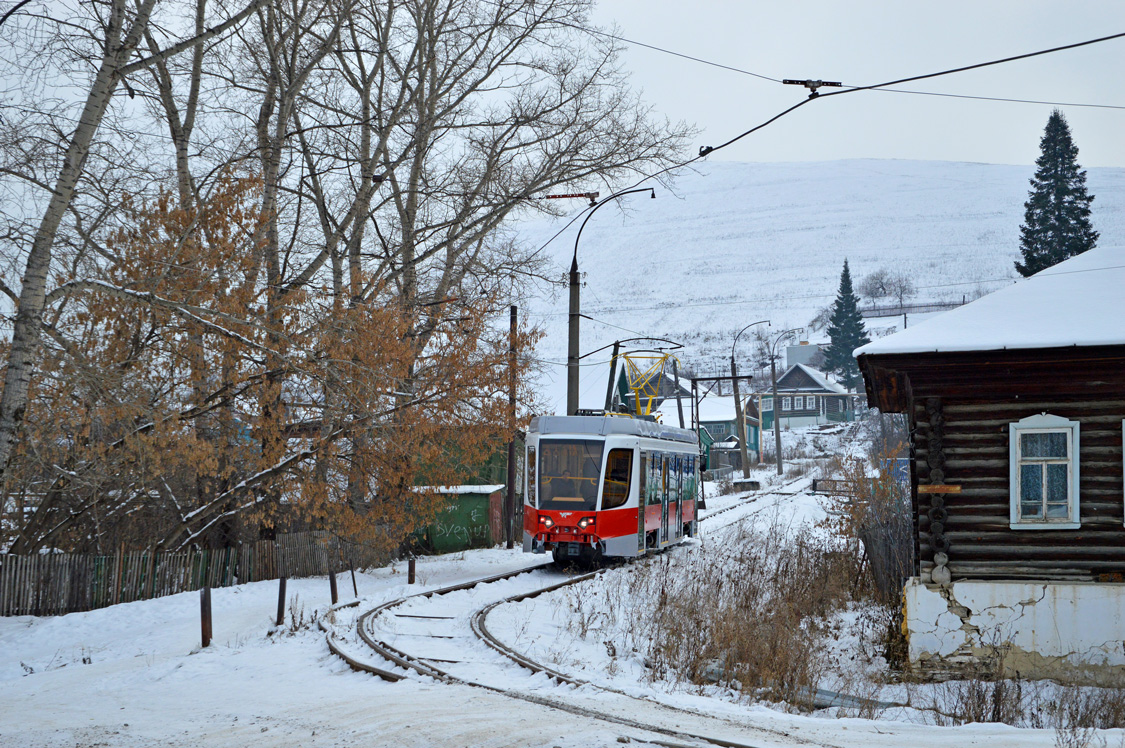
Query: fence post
x=332 y=585
x=281 y=602
x=410 y=571
x=355 y=589
x=205 y=616
x=117 y=578
x=152 y=573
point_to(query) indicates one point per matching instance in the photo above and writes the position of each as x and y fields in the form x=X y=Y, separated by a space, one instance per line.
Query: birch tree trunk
x=122 y=35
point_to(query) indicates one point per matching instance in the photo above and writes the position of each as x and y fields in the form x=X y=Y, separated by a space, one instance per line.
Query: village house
x=1015 y=404
x=808 y=398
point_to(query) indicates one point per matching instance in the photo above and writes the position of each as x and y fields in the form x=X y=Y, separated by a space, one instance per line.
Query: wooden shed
x=1015 y=404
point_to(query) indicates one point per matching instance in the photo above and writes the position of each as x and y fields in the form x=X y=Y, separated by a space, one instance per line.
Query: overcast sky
x=861 y=42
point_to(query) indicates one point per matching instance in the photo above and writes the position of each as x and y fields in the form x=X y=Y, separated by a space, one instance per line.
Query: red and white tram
x=609 y=486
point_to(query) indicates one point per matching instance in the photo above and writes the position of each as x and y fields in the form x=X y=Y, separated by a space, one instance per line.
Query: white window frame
x=1044 y=423
x=810 y=402
x=787 y=403
x=767 y=404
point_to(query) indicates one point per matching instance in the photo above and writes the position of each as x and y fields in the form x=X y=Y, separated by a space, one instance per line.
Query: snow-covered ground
x=134 y=675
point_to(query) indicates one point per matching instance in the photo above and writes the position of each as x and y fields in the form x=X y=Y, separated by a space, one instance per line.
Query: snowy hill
x=739 y=242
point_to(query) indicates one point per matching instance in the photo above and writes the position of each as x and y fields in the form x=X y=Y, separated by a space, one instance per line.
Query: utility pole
x=572 y=342
x=510 y=503
x=679 y=403
x=776 y=401
x=612 y=375
x=776 y=415
x=718 y=381
x=740 y=423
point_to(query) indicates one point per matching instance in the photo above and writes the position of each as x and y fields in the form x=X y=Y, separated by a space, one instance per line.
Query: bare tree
x=110 y=42
x=386 y=146
x=884 y=283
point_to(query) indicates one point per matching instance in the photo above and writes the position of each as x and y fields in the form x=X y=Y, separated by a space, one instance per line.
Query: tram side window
x=654 y=478
x=618 y=472
x=689 y=488
x=642 y=490
x=666 y=479
x=531 y=493
x=678 y=494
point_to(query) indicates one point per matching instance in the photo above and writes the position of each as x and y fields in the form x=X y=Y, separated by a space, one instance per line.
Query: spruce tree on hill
x=1056 y=219
x=845 y=333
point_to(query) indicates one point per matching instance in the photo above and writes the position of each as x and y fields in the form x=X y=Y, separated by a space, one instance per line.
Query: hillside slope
x=738 y=242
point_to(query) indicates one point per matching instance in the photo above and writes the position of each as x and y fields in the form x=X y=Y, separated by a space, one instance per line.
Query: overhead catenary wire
x=1001 y=99
x=771 y=79
x=673 y=53
x=705 y=151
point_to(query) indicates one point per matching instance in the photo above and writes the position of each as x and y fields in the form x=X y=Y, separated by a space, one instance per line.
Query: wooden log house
x=1016 y=409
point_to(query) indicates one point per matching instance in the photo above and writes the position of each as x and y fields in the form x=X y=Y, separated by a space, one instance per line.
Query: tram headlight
x=586 y=522
x=545 y=520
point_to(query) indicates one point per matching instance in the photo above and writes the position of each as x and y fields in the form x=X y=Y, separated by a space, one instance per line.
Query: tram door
x=681 y=492
x=665 y=495
x=642 y=501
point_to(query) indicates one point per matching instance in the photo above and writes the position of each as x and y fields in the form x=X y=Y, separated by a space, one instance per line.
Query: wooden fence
x=57 y=583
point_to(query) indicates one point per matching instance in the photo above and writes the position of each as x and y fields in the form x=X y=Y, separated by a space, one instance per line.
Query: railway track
x=421 y=638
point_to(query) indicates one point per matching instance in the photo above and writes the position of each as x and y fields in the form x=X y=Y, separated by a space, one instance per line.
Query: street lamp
x=572 y=346
x=776 y=403
x=741 y=422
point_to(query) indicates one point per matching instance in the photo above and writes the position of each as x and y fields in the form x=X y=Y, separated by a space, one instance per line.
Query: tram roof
x=606 y=425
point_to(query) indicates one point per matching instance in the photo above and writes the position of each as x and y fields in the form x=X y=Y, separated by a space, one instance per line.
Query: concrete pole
x=740 y=423
x=572 y=345
x=776 y=414
x=612 y=372
x=679 y=402
x=510 y=499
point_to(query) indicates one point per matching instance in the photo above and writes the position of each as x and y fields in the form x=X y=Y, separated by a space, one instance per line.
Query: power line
x=760 y=76
x=673 y=53
x=1000 y=98
x=707 y=150
x=616 y=327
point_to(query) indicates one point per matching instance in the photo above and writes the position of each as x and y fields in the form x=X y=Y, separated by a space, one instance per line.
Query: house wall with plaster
x=1068 y=630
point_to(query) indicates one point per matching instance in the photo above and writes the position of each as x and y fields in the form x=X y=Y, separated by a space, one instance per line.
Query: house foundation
x=1072 y=631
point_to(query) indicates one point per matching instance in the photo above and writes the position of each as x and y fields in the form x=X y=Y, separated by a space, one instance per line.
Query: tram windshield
x=568 y=473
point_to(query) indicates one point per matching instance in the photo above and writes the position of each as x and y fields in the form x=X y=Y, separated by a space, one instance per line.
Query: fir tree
x=845 y=333
x=1056 y=219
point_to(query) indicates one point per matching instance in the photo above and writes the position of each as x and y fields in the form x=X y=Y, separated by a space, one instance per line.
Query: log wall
x=960 y=407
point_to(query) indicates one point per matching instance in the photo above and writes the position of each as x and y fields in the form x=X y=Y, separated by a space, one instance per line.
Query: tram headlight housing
x=545 y=520
x=586 y=522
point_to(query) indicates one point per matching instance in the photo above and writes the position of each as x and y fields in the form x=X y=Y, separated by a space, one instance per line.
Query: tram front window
x=568 y=474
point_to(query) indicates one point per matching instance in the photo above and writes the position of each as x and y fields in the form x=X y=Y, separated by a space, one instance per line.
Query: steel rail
x=403 y=659
x=479 y=625
x=480 y=629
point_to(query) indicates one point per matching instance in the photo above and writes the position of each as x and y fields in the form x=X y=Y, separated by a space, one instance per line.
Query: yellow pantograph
x=643 y=374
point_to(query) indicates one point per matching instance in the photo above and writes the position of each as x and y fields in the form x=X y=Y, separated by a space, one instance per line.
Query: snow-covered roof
x=489 y=488
x=1079 y=302
x=817 y=376
x=712 y=408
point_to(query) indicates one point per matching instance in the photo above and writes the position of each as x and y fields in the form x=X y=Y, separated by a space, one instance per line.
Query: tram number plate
x=572 y=549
